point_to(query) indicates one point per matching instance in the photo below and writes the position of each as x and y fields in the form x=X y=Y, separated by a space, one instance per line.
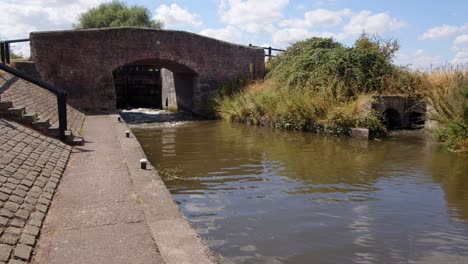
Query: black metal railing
x=5 y=49
x=268 y=50
x=58 y=92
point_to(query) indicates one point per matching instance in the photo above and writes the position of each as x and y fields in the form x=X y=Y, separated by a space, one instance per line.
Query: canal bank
x=108 y=210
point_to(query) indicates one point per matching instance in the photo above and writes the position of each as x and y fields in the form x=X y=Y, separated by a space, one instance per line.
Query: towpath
x=108 y=210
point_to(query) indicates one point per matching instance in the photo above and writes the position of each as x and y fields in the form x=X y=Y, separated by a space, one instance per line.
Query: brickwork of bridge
x=82 y=62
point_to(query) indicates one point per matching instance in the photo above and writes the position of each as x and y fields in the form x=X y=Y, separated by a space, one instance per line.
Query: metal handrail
x=58 y=92
x=270 y=49
x=5 y=49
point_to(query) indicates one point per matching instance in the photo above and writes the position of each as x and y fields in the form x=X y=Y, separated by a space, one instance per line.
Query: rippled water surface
x=257 y=195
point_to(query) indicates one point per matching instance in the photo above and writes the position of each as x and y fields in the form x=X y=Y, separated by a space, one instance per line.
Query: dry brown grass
x=447 y=93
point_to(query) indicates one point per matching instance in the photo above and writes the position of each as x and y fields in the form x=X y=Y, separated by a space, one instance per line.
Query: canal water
x=259 y=195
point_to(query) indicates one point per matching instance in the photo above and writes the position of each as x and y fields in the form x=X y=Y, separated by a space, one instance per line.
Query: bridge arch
x=83 y=62
x=155 y=83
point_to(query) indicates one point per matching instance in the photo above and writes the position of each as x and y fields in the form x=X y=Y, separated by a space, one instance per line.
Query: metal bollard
x=143 y=163
x=119 y=119
x=127 y=133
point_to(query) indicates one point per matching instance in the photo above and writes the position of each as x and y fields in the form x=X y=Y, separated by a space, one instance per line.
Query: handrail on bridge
x=5 y=49
x=270 y=49
x=58 y=92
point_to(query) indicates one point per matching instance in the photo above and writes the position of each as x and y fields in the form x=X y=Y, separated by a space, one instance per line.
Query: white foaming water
x=148 y=111
x=154 y=118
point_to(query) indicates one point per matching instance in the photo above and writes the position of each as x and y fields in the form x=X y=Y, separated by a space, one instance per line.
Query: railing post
x=7 y=52
x=62 y=114
x=2 y=52
x=269 y=52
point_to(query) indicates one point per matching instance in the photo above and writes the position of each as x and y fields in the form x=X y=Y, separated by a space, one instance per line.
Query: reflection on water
x=257 y=195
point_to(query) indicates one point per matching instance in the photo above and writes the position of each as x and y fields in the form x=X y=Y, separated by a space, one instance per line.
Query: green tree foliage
x=117 y=14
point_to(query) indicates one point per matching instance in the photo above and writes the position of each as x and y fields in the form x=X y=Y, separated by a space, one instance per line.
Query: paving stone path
x=31 y=166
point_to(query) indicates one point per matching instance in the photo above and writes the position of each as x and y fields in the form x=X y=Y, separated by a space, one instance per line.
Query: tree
x=117 y=14
x=388 y=47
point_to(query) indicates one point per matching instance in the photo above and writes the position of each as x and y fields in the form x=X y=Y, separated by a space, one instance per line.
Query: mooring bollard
x=118 y=118
x=127 y=133
x=143 y=163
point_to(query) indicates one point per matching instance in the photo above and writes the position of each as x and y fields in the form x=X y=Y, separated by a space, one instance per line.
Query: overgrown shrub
x=320 y=85
x=334 y=71
x=447 y=94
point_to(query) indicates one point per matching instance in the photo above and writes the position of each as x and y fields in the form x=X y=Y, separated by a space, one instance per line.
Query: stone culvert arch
x=400 y=112
x=82 y=61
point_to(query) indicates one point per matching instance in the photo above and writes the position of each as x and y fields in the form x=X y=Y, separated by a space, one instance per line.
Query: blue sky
x=429 y=32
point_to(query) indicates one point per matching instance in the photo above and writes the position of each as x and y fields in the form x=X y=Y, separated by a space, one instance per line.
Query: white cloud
x=176 y=16
x=379 y=23
x=419 y=59
x=253 y=16
x=229 y=34
x=19 y=18
x=461 y=40
x=322 y=17
x=460 y=47
x=364 y=21
x=444 y=31
x=318 y=18
x=461 y=57
x=287 y=36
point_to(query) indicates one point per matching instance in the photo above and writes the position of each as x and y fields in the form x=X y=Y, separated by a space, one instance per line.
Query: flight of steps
x=20 y=114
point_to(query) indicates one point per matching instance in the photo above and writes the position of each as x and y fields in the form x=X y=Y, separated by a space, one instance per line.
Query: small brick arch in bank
x=400 y=112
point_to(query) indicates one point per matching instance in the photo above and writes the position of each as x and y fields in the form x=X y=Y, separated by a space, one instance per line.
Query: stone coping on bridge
x=59 y=32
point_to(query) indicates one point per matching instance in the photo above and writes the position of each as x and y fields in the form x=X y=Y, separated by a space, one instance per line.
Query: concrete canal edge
x=176 y=239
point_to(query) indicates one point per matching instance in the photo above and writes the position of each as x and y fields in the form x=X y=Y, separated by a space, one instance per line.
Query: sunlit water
x=258 y=195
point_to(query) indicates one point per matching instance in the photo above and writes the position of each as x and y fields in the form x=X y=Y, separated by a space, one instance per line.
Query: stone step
x=42 y=124
x=54 y=131
x=73 y=140
x=68 y=135
x=30 y=118
x=16 y=112
x=4 y=106
x=77 y=141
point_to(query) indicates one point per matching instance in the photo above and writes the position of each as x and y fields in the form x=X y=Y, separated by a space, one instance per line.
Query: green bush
x=339 y=73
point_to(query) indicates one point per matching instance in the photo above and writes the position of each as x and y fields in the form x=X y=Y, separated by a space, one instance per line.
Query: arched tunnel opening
x=138 y=86
x=156 y=84
x=416 y=120
x=392 y=119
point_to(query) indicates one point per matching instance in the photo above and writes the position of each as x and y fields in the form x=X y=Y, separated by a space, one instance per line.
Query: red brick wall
x=82 y=61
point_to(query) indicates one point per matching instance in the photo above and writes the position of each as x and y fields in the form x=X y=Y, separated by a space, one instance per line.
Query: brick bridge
x=99 y=67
